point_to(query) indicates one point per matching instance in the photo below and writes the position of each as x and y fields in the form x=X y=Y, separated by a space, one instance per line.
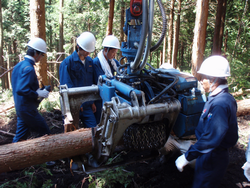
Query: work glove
x=246 y=168
x=42 y=93
x=181 y=162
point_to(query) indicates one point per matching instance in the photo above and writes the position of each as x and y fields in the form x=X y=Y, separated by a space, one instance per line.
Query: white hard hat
x=111 y=41
x=86 y=41
x=215 y=66
x=38 y=44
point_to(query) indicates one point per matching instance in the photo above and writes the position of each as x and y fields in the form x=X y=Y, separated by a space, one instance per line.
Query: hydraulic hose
x=150 y=29
x=176 y=79
x=164 y=27
x=134 y=65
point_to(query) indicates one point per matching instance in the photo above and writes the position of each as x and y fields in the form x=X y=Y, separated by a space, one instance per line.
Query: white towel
x=105 y=66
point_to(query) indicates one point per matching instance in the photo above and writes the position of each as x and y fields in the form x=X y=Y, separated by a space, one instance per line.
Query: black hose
x=176 y=79
x=164 y=27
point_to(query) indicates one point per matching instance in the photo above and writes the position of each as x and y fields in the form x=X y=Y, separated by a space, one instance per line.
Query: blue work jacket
x=74 y=73
x=217 y=127
x=98 y=68
x=24 y=85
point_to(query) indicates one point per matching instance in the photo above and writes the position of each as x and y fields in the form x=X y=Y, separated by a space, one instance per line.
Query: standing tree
x=219 y=27
x=111 y=16
x=122 y=24
x=37 y=29
x=170 y=31
x=1 y=47
x=176 y=36
x=199 y=35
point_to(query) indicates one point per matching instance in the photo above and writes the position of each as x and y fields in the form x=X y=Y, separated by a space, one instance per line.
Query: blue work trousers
x=210 y=169
x=30 y=120
x=87 y=117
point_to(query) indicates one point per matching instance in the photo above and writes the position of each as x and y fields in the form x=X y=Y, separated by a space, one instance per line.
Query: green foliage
x=30 y=177
x=51 y=103
x=111 y=177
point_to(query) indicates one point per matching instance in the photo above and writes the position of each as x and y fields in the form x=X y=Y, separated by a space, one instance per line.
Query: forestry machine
x=140 y=106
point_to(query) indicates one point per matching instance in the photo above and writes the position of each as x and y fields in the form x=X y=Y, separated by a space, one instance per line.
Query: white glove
x=42 y=93
x=246 y=168
x=181 y=162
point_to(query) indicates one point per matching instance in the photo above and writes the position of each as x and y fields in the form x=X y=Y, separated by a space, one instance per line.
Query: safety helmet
x=38 y=44
x=215 y=66
x=111 y=41
x=86 y=41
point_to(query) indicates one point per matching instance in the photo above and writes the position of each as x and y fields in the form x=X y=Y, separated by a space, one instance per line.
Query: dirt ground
x=156 y=172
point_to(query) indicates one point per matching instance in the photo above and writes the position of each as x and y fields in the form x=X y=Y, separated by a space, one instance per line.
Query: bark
x=199 y=36
x=225 y=42
x=219 y=27
x=37 y=29
x=243 y=107
x=122 y=25
x=1 y=45
x=170 y=32
x=223 y=17
x=61 y=40
x=164 y=50
x=176 y=36
x=237 y=41
x=111 y=17
x=23 y=154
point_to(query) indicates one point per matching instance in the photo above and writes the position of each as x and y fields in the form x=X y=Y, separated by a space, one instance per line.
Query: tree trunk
x=170 y=31
x=37 y=29
x=199 y=36
x=1 y=45
x=121 y=27
x=240 y=27
x=61 y=40
x=176 y=36
x=225 y=42
x=111 y=16
x=23 y=154
x=219 y=27
x=223 y=16
x=164 y=50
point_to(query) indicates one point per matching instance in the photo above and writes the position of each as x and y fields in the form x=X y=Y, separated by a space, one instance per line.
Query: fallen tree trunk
x=243 y=107
x=23 y=154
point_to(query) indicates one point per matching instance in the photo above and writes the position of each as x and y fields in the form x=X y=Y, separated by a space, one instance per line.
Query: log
x=23 y=154
x=243 y=107
x=241 y=93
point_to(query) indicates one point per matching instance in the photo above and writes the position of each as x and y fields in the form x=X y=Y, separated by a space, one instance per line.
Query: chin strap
x=211 y=85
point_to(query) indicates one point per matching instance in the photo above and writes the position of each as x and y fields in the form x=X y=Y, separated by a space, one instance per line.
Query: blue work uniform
x=248 y=152
x=217 y=131
x=97 y=72
x=24 y=85
x=76 y=74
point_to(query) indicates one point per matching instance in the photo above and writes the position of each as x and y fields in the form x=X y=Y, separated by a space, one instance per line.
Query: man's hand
x=181 y=162
x=246 y=168
x=42 y=93
x=93 y=108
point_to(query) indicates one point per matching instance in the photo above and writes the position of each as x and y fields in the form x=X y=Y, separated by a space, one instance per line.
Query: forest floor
x=157 y=172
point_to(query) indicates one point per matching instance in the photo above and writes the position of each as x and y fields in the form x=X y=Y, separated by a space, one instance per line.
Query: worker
x=217 y=129
x=26 y=92
x=246 y=166
x=105 y=64
x=77 y=71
